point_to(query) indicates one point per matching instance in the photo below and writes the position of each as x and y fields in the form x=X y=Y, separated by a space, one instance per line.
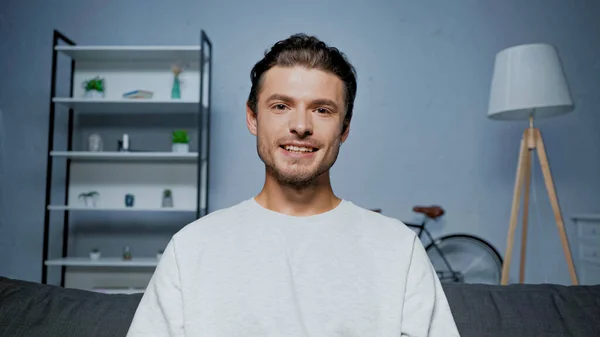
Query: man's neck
x=316 y=198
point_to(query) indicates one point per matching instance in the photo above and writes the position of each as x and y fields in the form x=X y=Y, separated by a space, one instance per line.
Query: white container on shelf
x=93 y=94
x=95 y=256
x=180 y=147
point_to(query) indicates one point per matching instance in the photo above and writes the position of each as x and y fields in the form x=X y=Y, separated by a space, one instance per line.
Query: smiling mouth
x=298 y=149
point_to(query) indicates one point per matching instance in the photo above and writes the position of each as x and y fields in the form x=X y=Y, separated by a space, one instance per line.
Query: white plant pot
x=95 y=255
x=180 y=148
x=93 y=94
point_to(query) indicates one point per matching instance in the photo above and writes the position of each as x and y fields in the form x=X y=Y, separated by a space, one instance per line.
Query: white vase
x=180 y=148
x=95 y=143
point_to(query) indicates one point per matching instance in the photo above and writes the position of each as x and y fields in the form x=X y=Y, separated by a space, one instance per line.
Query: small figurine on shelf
x=129 y=200
x=95 y=254
x=180 y=141
x=94 y=88
x=127 y=253
x=167 y=200
x=124 y=145
x=176 y=90
x=91 y=194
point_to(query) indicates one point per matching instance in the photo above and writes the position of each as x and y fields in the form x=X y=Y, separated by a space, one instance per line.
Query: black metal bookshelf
x=203 y=144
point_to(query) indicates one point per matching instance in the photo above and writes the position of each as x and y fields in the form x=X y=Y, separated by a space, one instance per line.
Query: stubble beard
x=302 y=177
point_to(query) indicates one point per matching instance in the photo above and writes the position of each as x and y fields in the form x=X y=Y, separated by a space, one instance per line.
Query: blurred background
x=420 y=133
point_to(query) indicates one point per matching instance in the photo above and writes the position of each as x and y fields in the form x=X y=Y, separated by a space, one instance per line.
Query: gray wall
x=419 y=136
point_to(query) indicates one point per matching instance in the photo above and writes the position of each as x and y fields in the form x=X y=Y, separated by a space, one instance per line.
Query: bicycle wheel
x=465 y=258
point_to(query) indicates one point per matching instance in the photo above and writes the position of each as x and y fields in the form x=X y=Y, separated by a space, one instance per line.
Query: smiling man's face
x=298 y=123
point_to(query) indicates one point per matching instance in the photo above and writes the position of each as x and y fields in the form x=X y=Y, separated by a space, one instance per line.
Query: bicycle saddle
x=430 y=211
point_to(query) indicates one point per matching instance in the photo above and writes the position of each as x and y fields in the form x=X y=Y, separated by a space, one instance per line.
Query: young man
x=296 y=260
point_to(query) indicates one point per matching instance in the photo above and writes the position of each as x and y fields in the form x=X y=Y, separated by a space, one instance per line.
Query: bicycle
x=458 y=258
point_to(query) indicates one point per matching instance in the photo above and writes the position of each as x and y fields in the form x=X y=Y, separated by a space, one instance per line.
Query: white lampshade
x=528 y=80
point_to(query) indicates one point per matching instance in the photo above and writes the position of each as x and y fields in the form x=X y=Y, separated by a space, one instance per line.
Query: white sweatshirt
x=246 y=271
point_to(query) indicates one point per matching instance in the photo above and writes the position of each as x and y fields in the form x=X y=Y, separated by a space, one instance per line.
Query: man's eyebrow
x=318 y=101
x=280 y=97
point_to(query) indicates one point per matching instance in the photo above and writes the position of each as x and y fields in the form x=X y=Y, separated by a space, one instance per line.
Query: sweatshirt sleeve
x=160 y=312
x=426 y=312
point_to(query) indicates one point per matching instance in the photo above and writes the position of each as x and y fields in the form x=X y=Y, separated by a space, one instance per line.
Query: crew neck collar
x=254 y=205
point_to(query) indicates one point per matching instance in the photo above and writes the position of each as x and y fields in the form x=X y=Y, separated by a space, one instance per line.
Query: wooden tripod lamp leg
x=515 y=210
x=527 y=177
x=555 y=206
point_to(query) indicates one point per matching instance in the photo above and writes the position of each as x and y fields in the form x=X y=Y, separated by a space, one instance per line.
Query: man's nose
x=301 y=122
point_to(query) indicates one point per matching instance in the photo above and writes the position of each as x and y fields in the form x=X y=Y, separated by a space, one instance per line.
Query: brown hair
x=308 y=51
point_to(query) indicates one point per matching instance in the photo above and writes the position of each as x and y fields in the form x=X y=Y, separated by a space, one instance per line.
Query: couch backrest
x=525 y=310
x=32 y=309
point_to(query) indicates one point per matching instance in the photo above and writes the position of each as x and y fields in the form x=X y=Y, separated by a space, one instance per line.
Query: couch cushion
x=31 y=309
x=525 y=310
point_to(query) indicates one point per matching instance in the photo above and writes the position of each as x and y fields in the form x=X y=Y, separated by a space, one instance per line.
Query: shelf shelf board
x=84 y=105
x=103 y=262
x=118 y=209
x=127 y=156
x=132 y=53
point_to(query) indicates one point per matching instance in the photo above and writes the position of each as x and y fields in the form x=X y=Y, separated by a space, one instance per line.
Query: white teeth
x=298 y=149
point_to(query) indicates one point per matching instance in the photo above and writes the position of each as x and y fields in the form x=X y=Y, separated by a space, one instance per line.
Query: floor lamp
x=529 y=83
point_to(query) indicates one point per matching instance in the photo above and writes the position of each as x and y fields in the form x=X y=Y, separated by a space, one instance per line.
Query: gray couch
x=31 y=309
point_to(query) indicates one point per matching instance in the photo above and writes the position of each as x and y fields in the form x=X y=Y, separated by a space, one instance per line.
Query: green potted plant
x=167 y=200
x=181 y=141
x=95 y=254
x=94 y=88
x=91 y=194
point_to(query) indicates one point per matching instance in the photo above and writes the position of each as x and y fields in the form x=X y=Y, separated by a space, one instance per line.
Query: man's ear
x=251 y=120
x=346 y=132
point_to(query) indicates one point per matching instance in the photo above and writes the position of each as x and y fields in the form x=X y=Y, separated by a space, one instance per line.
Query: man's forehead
x=301 y=81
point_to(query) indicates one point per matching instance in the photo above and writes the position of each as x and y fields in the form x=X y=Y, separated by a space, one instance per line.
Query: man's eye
x=280 y=106
x=322 y=110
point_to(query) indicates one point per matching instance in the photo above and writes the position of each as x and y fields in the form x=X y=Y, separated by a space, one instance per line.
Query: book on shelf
x=138 y=94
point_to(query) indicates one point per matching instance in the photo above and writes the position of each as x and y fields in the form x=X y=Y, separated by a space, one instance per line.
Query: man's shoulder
x=379 y=224
x=215 y=220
